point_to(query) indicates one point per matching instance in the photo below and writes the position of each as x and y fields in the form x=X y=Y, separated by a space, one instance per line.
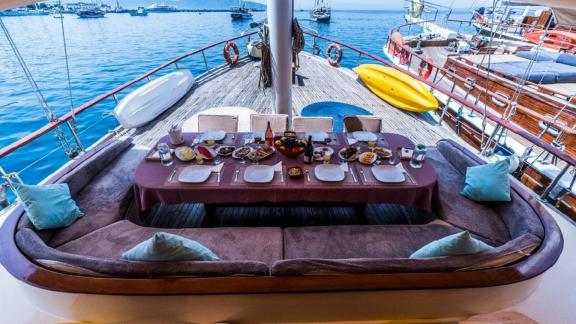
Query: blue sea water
x=105 y=53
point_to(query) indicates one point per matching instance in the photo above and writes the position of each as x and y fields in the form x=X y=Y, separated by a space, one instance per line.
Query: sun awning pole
x=280 y=26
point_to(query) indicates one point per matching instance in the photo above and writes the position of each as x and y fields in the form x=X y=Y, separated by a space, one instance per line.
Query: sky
x=378 y=4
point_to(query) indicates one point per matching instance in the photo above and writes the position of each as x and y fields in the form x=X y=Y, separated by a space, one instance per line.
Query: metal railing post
x=205 y=61
x=115 y=99
x=176 y=65
x=554 y=182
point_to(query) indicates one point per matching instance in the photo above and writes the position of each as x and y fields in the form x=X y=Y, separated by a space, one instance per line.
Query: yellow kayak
x=397 y=88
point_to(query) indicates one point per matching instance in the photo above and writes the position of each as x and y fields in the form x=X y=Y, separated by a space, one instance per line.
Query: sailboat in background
x=321 y=12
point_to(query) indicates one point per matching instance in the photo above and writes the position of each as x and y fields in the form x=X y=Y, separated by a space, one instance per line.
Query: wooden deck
x=318 y=81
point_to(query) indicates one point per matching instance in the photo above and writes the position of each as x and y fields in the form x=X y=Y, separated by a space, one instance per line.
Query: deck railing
x=111 y=94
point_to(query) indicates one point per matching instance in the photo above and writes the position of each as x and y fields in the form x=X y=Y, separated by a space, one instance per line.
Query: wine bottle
x=309 y=151
x=269 y=135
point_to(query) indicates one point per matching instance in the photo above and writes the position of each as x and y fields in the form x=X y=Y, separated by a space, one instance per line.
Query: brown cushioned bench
x=102 y=187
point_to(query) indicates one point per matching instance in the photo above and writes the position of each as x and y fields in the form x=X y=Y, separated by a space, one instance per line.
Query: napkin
x=344 y=166
x=218 y=167
x=278 y=167
x=351 y=140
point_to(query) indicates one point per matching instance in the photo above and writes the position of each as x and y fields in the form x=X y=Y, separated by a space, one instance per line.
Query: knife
x=172 y=174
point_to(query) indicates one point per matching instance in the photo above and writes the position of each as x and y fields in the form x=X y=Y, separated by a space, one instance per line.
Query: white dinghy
x=150 y=100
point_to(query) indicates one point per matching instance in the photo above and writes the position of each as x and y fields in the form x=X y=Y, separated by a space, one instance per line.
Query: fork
x=307 y=174
x=363 y=175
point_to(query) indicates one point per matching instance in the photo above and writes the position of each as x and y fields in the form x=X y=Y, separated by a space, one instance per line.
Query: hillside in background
x=191 y=4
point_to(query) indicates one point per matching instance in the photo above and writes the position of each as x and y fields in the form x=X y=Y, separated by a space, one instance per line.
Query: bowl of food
x=321 y=152
x=185 y=153
x=241 y=152
x=367 y=158
x=349 y=153
x=260 y=153
x=225 y=150
x=290 y=146
x=295 y=172
x=382 y=152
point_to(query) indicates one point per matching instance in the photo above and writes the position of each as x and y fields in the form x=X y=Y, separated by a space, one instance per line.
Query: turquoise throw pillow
x=488 y=182
x=455 y=244
x=49 y=206
x=169 y=247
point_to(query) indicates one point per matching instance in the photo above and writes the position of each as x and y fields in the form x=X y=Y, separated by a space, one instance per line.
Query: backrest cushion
x=568 y=59
x=458 y=156
x=83 y=173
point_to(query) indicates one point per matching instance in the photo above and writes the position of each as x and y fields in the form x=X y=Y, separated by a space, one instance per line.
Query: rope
x=67 y=69
x=298 y=42
x=265 y=80
x=60 y=135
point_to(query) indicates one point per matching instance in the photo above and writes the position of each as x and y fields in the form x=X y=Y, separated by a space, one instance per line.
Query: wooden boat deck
x=317 y=81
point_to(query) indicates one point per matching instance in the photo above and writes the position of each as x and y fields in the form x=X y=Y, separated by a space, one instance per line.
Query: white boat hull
x=149 y=101
x=259 y=308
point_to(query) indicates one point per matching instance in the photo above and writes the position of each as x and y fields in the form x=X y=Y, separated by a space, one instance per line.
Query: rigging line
x=67 y=68
x=63 y=141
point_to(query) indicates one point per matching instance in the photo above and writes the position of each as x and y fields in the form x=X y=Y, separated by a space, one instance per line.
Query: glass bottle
x=269 y=135
x=309 y=151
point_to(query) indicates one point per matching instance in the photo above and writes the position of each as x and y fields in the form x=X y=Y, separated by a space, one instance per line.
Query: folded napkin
x=278 y=167
x=344 y=167
x=351 y=140
x=218 y=167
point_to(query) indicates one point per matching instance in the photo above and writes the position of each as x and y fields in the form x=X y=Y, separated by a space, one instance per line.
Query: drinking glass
x=217 y=159
x=175 y=134
x=199 y=159
x=165 y=154
x=371 y=144
x=418 y=159
x=327 y=158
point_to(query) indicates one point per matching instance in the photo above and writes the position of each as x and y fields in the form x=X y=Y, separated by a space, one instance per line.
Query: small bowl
x=295 y=172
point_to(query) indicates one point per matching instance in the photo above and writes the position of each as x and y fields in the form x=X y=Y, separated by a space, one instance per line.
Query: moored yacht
x=243 y=189
x=321 y=12
x=240 y=12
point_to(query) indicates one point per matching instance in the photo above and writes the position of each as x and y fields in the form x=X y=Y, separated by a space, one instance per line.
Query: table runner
x=151 y=187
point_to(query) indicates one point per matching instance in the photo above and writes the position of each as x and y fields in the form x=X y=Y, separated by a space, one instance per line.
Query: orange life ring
x=425 y=68
x=334 y=62
x=234 y=47
x=404 y=56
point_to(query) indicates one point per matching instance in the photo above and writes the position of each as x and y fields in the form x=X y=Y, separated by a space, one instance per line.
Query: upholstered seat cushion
x=508 y=253
x=360 y=241
x=105 y=199
x=476 y=217
x=262 y=244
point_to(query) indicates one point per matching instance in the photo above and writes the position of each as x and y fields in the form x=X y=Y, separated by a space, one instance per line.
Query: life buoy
x=404 y=56
x=336 y=47
x=234 y=47
x=425 y=68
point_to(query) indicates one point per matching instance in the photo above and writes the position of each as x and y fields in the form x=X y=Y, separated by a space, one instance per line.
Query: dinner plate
x=213 y=136
x=259 y=174
x=329 y=173
x=365 y=136
x=388 y=174
x=317 y=136
x=195 y=174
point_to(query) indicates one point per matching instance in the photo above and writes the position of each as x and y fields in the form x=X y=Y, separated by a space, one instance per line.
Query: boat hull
x=315 y=307
x=152 y=99
x=555 y=39
x=397 y=88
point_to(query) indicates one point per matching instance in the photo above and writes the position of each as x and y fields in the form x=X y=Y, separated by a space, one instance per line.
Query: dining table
x=155 y=183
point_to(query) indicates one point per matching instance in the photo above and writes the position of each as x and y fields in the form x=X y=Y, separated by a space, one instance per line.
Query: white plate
x=329 y=173
x=195 y=174
x=235 y=153
x=178 y=153
x=204 y=156
x=213 y=136
x=388 y=173
x=365 y=136
x=317 y=136
x=259 y=174
x=327 y=151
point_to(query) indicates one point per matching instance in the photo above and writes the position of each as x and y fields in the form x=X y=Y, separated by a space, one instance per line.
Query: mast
x=280 y=26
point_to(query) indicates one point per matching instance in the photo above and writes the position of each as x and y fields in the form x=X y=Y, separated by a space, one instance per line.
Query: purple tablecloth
x=152 y=186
